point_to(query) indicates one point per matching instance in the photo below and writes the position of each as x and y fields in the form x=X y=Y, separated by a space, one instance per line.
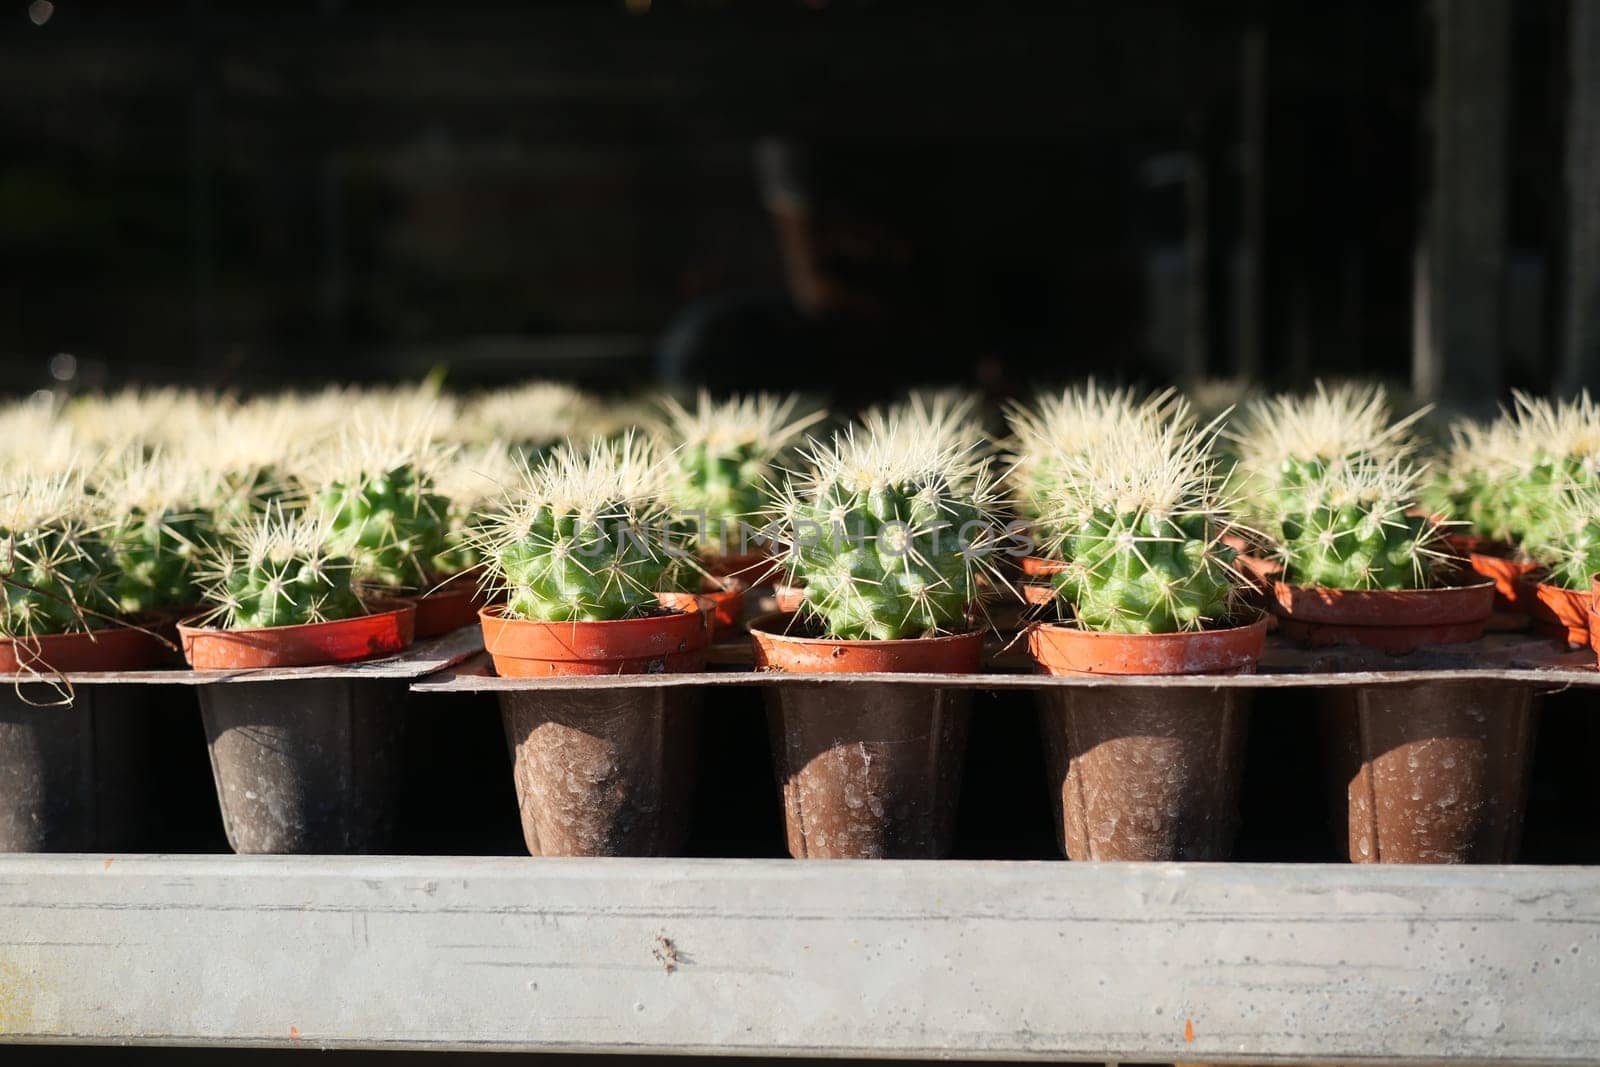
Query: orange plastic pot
x=382 y=633
x=723 y=606
x=1145 y=773
x=751 y=568
x=1063 y=650
x=1565 y=614
x=527 y=648
x=1398 y=620
x=868 y=771
x=1038 y=593
x=115 y=649
x=789 y=598
x=1513 y=589
x=1039 y=567
x=1468 y=545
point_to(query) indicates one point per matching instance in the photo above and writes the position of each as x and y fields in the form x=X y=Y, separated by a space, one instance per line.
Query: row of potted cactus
x=1158 y=539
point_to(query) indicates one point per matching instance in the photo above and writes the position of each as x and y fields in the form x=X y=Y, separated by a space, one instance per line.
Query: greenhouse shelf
x=1225 y=962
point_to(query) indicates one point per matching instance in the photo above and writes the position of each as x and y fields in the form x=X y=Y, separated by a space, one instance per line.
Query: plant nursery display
x=890 y=533
x=579 y=550
x=1147 y=586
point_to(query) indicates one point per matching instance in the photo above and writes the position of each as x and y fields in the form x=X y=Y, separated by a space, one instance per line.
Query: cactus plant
x=1286 y=443
x=280 y=569
x=584 y=536
x=1140 y=521
x=52 y=564
x=1567 y=543
x=1056 y=430
x=376 y=487
x=530 y=418
x=890 y=533
x=470 y=479
x=1354 y=527
x=724 y=462
x=153 y=528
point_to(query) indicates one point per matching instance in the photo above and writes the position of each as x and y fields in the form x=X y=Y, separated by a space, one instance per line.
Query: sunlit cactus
x=724 y=463
x=583 y=535
x=1139 y=522
x=153 y=526
x=891 y=533
x=280 y=569
x=1356 y=527
x=530 y=418
x=52 y=563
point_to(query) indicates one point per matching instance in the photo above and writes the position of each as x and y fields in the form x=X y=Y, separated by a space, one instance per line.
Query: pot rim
x=1040 y=566
x=401 y=607
x=139 y=649
x=1261 y=619
x=1384 y=608
x=759 y=625
x=496 y=613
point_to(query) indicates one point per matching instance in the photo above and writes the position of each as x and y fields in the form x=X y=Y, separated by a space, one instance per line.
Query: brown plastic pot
x=448 y=608
x=1565 y=613
x=382 y=633
x=117 y=648
x=1039 y=567
x=1396 y=621
x=307 y=766
x=603 y=773
x=598 y=772
x=751 y=568
x=789 y=598
x=1434 y=773
x=1145 y=773
x=527 y=648
x=1512 y=588
x=867 y=770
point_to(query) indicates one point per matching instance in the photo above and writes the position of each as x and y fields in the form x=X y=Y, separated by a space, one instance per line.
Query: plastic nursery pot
x=1434 y=773
x=526 y=648
x=600 y=772
x=1513 y=584
x=751 y=568
x=304 y=765
x=448 y=605
x=868 y=770
x=724 y=604
x=116 y=648
x=382 y=633
x=1398 y=621
x=1565 y=613
x=789 y=598
x=1145 y=773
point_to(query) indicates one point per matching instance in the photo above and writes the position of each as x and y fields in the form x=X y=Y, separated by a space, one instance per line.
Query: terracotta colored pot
x=1513 y=589
x=525 y=648
x=116 y=648
x=1565 y=614
x=1039 y=567
x=789 y=598
x=603 y=772
x=868 y=771
x=724 y=607
x=1069 y=650
x=448 y=608
x=1145 y=773
x=1391 y=620
x=1038 y=594
x=382 y=633
x=1468 y=545
x=751 y=568
x=1432 y=773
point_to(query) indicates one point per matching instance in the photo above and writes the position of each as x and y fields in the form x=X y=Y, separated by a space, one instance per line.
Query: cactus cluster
x=724 y=462
x=584 y=536
x=891 y=533
x=1356 y=527
x=1140 y=523
x=531 y=418
x=153 y=528
x=53 y=566
x=281 y=569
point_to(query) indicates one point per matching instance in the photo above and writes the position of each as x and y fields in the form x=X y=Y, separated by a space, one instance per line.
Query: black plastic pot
x=306 y=766
x=72 y=777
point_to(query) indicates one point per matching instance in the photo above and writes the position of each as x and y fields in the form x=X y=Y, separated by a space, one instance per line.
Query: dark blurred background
x=261 y=193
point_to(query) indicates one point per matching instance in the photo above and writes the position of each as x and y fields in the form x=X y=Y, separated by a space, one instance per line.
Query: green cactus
x=1049 y=437
x=530 y=419
x=723 y=462
x=890 y=534
x=584 y=537
x=153 y=528
x=1140 y=523
x=279 y=570
x=1287 y=444
x=389 y=521
x=52 y=564
x=1567 y=544
x=1353 y=528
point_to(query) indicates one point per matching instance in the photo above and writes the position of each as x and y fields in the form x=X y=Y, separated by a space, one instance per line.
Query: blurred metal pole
x=1459 y=275
x=1579 y=356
